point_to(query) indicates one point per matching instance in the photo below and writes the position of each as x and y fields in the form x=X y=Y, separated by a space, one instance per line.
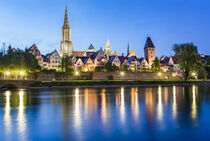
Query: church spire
x=66 y=20
x=107 y=43
x=108 y=51
x=128 y=50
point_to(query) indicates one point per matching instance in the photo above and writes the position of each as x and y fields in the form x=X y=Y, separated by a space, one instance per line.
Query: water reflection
x=7 y=116
x=160 y=105
x=21 y=118
x=122 y=105
x=77 y=112
x=174 y=103
x=135 y=103
x=89 y=111
x=103 y=107
x=194 y=105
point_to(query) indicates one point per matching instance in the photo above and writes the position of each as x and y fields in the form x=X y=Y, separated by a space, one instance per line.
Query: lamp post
x=21 y=73
x=7 y=74
x=76 y=74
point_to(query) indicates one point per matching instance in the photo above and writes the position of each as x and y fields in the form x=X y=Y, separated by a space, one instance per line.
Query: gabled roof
x=115 y=54
x=132 y=53
x=47 y=55
x=164 y=61
x=130 y=59
x=111 y=58
x=122 y=59
x=149 y=43
x=91 y=47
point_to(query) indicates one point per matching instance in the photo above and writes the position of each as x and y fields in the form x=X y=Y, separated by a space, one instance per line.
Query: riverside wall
x=100 y=76
x=107 y=76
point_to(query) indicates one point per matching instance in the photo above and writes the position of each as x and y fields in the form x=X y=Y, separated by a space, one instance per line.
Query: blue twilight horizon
x=24 y=22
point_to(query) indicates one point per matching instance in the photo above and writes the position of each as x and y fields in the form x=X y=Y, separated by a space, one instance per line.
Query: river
x=111 y=113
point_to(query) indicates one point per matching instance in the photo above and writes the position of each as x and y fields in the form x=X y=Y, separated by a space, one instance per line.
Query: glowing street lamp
x=122 y=73
x=21 y=73
x=159 y=74
x=193 y=74
x=174 y=74
x=76 y=73
x=7 y=73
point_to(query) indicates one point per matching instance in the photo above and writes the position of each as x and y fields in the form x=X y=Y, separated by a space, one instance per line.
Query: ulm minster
x=118 y=87
x=103 y=64
x=91 y=58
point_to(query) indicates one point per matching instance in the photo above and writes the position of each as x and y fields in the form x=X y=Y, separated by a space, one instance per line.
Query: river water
x=119 y=113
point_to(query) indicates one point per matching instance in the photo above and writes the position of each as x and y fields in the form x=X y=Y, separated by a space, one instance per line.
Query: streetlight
x=7 y=73
x=122 y=73
x=159 y=74
x=21 y=73
x=174 y=74
x=76 y=73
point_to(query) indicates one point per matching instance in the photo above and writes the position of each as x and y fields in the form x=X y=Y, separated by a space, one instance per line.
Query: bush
x=98 y=69
x=202 y=74
x=110 y=77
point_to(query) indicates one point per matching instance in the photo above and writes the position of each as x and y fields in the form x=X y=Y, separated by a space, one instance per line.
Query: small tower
x=149 y=51
x=108 y=51
x=128 y=50
x=66 y=48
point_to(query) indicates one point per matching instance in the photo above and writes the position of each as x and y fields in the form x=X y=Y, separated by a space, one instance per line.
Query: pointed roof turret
x=149 y=43
x=66 y=20
x=115 y=54
x=107 y=43
x=128 y=49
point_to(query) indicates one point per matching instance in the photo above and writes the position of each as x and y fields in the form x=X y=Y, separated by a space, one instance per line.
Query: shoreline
x=100 y=84
x=112 y=83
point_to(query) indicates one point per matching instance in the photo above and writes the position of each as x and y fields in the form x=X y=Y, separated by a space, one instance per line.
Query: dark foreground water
x=137 y=113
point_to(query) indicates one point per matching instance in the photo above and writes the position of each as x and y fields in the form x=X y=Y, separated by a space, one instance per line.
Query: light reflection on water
x=100 y=112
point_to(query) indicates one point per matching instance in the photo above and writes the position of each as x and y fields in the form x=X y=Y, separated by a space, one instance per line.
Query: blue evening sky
x=24 y=22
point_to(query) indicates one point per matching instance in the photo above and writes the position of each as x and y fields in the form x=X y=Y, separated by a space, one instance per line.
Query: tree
x=202 y=74
x=188 y=58
x=207 y=62
x=66 y=65
x=125 y=68
x=98 y=69
x=156 y=65
x=110 y=68
x=18 y=60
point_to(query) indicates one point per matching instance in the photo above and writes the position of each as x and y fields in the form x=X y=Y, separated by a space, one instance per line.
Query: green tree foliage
x=18 y=60
x=66 y=65
x=156 y=65
x=207 y=62
x=110 y=68
x=188 y=58
x=98 y=69
x=202 y=74
x=125 y=68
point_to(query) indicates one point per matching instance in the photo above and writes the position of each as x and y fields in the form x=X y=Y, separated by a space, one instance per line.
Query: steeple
x=107 y=43
x=66 y=48
x=128 y=50
x=108 y=51
x=149 y=51
x=149 y=43
x=66 y=20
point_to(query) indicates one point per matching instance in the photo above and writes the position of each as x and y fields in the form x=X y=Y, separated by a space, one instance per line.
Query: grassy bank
x=112 y=82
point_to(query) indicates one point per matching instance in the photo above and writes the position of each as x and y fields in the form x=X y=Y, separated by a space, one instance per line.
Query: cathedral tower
x=108 y=51
x=66 y=48
x=149 y=51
